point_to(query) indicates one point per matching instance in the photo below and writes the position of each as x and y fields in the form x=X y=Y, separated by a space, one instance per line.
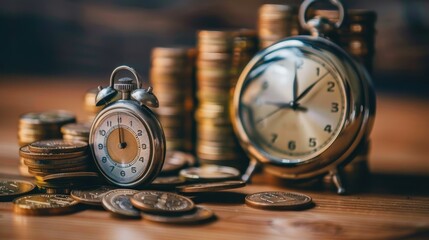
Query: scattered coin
x=210 y=187
x=278 y=200
x=167 y=182
x=44 y=204
x=118 y=202
x=210 y=173
x=12 y=188
x=57 y=146
x=200 y=214
x=161 y=202
x=91 y=196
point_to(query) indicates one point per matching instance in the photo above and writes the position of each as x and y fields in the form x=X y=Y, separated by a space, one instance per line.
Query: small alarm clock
x=126 y=139
x=303 y=106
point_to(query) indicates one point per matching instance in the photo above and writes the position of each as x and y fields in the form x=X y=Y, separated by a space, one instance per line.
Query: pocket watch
x=126 y=139
x=303 y=106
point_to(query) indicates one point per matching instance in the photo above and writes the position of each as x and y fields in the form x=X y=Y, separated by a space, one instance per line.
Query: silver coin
x=210 y=173
x=91 y=196
x=118 y=202
x=162 y=202
x=210 y=187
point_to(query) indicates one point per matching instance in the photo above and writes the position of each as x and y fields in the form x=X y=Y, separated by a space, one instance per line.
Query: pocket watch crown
x=125 y=84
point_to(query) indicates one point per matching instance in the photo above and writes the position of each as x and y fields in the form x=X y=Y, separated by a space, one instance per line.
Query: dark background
x=91 y=37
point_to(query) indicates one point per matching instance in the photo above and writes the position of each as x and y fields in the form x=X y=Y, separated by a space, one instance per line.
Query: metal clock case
x=302 y=107
x=126 y=139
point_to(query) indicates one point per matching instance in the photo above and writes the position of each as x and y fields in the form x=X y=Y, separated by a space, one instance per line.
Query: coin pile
x=57 y=165
x=357 y=35
x=76 y=132
x=216 y=142
x=245 y=47
x=89 y=104
x=37 y=126
x=171 y=75
x=275 y=22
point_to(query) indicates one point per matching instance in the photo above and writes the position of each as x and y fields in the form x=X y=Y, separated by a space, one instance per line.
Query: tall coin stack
x=245 y=47
x=56 y=158
x=216 y=143
x=171 y=75
x=40 y=126
x=275 y=22
x=357 y=35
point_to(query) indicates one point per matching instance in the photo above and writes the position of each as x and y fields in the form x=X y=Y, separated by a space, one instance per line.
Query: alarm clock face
x=122 y=145
x=292 y=104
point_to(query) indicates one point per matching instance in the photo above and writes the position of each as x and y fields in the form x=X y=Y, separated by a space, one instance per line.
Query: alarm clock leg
x=337 y=179
x=250 y=170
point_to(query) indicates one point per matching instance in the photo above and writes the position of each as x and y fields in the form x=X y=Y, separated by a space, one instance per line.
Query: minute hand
x=308 y=89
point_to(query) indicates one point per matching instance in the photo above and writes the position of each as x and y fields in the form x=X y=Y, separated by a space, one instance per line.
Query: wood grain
x=391 y=206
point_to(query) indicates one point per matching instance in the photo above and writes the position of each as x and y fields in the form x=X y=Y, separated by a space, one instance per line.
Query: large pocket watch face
x=121 y=145
x=292 y=104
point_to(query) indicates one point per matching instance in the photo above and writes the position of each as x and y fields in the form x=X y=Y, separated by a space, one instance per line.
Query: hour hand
x=289 y=105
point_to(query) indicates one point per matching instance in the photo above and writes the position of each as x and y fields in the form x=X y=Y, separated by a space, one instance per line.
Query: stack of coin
x=44 y=125
x=171 y=75
x=245 y=47
x=40 y=126
x=50 y=161
x=89 y=104
x=76 y=132
x=357 y=35
x=216 y=142
x=276 y=22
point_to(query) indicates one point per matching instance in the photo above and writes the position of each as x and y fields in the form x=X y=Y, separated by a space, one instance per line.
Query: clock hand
x=295 y=85
x=286 y=105
x=122 y=143
x=307 y=90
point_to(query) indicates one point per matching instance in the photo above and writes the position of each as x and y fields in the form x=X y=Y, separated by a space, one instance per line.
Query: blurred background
x=91 y=37
x=63 y=47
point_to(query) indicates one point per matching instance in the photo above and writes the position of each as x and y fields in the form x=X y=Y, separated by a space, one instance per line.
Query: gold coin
x=57 y=146
x=76 y=129
x=210 y=173
x=210 y=187
x=118 y=202
x=50 y=117
x=166 y=182
x=56 y=163
x=200 y=214
x=38 y=172
x=91 y=196
x=278 y=200
x=56 y=190
x=69 y=175
x=161 y=202
x=12 y=188
x=26 y=153
x=44 y=204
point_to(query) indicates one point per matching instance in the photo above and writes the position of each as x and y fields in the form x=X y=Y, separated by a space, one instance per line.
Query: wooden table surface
x=394 y=204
